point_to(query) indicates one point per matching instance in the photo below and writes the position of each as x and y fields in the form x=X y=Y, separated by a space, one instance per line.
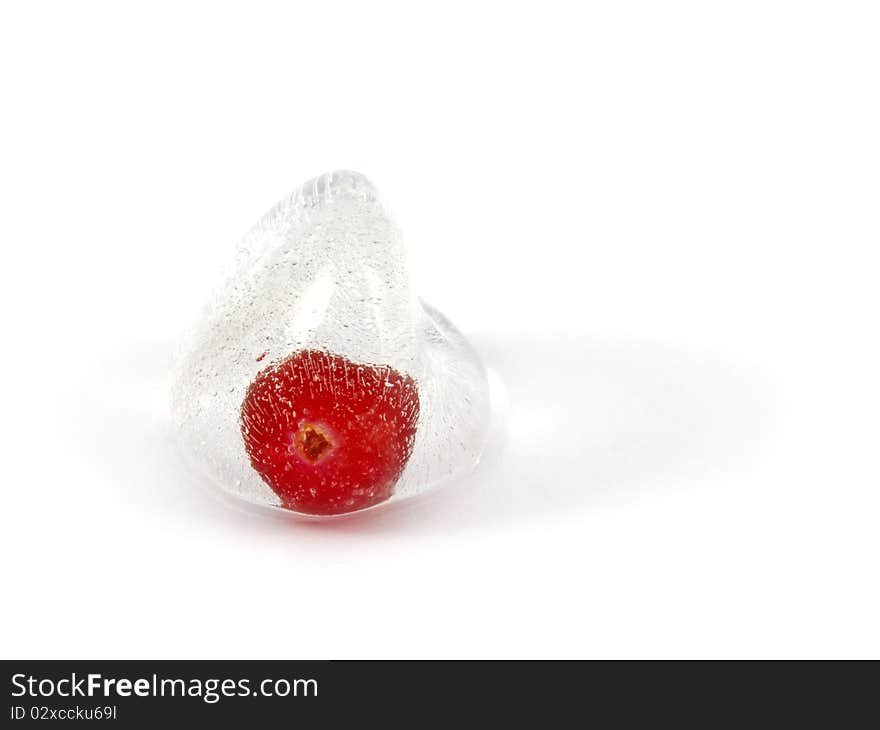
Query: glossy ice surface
x=324 y=273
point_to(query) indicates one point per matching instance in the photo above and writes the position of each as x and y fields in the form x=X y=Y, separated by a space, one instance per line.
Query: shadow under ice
x=588 y=421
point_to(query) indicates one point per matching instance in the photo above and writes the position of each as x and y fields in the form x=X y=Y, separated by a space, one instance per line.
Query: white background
x=657 y=221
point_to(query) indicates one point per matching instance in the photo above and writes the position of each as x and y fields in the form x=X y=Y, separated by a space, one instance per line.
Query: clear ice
x=325 y=270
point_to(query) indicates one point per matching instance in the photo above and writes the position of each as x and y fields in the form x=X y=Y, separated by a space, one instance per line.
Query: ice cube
x=319 y=296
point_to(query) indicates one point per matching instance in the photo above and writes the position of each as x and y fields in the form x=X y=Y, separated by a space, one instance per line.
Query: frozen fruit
x=325 y=271
x=329 y=435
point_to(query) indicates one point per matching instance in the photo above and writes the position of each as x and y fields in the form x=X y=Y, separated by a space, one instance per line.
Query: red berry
x=329 y=435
